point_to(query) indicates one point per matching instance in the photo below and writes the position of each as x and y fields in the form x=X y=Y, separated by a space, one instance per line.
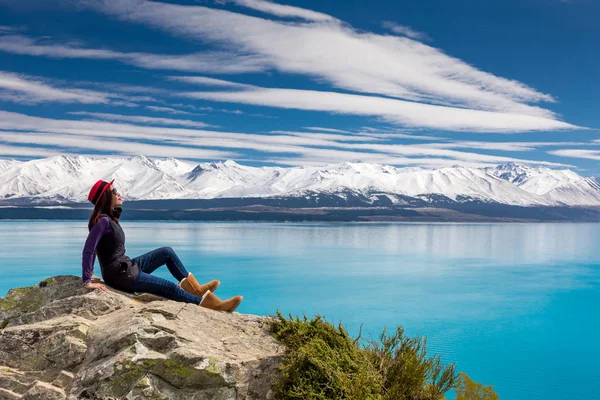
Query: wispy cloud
x=6 y=28
x=142 y=119
x=331 y=156
x=424 y=151
x=332 y=53
x=391 y=110
x=391 y=133
x=330 y=136
x=202 y=80
x=69 y=143
x=208 y=109
x=405 y=31
x=281 y=10
x=500 y=146
x=25 y=89
x=335 y=157
x=26 y=151
x=222 y=62
x=285 y=146
x=361 y=135
x=169 y=110
x=319 y=129
x=577 y=153
x=395 y=66
x=123 y=87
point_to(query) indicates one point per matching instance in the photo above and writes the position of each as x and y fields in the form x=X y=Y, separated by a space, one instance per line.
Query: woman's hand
x=96 y=286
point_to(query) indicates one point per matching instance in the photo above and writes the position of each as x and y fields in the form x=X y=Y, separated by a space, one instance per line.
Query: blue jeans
x=148 y=283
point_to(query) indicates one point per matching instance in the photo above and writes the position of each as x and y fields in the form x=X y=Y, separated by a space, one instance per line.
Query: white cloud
x=405 y=31
x=395 y=134
x=201 y=110
x=330 y=136
x=6 y=28
x=331 y=52
x=392 y=110
x=109 y=146
x=346 y=58
x=124 y=88
x=281 y=10
x=332 y=156
x=216 y=61
x=335 y=157
x=201 y=80
x=25 y=89
x=577 y=153
x=285 y=146
x=142 y=119
x=26 y=151
x=181 y=136
x=418 y=150
x=221 y=110
x=359 y=136
x=169 y=110
x=319 y=129
x=500 y=146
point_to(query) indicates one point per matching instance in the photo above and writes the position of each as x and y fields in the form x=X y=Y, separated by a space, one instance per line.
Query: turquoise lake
x=515 y=306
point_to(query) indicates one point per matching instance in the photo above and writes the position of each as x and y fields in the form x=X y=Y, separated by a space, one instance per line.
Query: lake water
x=513 y=305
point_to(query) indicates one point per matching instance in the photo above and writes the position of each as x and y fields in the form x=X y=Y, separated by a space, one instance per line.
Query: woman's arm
x=95 y=278
x=89 y=249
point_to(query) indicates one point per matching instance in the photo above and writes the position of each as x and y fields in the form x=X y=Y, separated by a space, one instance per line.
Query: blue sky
x=428 y=83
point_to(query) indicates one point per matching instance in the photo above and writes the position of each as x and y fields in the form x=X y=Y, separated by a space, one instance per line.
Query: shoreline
x=466 y=213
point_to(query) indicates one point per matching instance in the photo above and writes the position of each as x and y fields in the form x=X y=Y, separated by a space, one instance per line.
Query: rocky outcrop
x=58 y=340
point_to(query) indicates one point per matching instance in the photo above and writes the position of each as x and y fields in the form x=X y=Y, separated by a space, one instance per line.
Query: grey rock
x=44 y=391
x=17 y=381
x=64 y=380
x=6 y=394
x=115 y=345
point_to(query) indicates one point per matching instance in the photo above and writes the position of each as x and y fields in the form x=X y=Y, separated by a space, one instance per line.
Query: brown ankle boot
x=211 y=301
x=191 y=285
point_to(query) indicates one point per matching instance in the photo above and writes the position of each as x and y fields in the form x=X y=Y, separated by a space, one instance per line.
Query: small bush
x=469 y=390
x=325 y=363
x=407 y=371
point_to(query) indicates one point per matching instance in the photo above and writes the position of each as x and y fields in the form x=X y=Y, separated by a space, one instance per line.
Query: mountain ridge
x=63 y=179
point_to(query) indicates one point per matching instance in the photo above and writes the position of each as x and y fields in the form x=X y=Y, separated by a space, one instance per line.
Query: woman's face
x=115 y=198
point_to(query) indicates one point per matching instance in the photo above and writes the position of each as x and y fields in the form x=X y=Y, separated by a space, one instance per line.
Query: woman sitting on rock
x=106 y=239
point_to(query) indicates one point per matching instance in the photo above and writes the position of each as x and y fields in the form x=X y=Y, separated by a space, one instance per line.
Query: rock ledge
x=58 y=340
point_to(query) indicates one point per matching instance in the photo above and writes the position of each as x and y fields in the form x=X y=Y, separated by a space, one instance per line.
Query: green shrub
x=325 y=363
x=408 y=373
x=469 y=390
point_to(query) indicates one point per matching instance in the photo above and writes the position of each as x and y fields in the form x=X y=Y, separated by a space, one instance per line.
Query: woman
x=106 y=240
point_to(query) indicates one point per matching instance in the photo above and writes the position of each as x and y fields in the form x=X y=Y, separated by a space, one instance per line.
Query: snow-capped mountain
x=173 y=166
x=560 y=186
x=230 y=179
x=63 y=178
x=6 y=164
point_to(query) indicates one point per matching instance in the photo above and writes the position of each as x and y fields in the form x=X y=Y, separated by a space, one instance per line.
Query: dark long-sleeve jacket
x=107 y=241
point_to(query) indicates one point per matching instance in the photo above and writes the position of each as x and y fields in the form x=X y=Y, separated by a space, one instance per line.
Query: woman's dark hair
x=102 y=207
